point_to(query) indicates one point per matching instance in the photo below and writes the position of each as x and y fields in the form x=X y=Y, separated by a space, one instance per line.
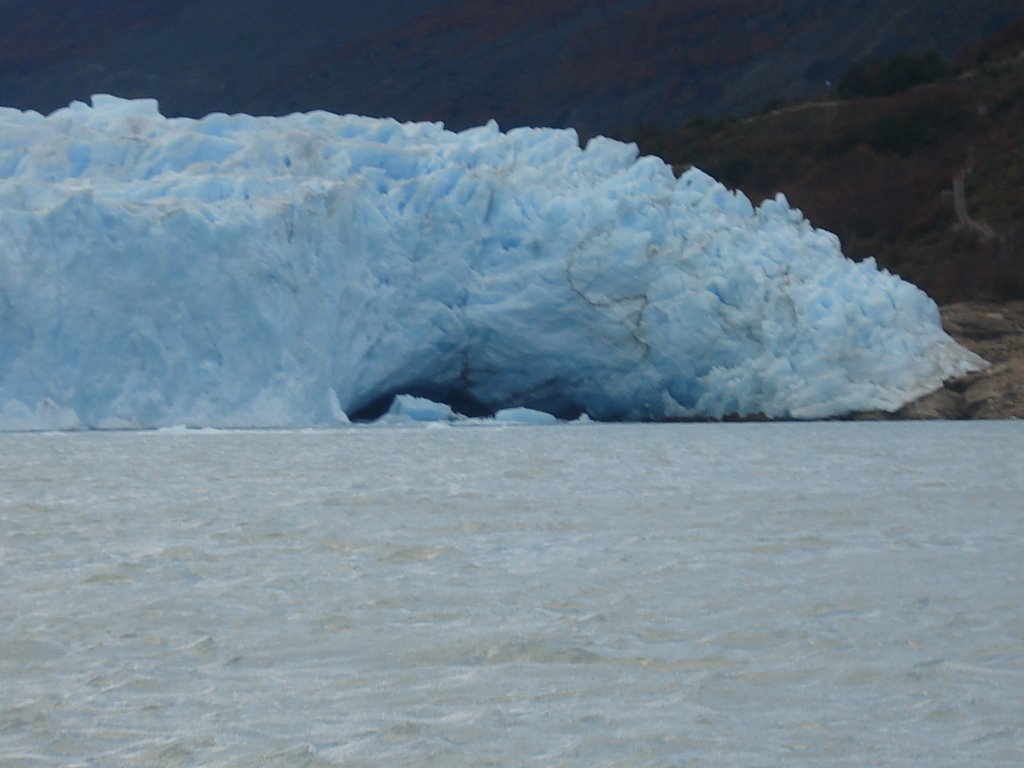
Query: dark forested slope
x=599 y=66
x=927 y=178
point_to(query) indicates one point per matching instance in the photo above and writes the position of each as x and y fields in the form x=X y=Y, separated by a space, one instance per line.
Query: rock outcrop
x=996 y=332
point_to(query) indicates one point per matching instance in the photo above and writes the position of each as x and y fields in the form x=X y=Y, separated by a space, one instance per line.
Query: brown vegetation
x=929 y=180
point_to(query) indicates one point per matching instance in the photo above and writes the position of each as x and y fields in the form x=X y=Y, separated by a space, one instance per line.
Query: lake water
x=838 y=594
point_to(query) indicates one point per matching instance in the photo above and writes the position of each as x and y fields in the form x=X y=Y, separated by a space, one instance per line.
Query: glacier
x=240 y=271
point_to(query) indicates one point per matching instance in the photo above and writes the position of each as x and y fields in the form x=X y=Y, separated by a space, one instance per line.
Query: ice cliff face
x=242 y=271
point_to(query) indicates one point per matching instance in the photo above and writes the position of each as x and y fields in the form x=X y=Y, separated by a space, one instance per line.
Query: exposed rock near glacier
x=242 y=271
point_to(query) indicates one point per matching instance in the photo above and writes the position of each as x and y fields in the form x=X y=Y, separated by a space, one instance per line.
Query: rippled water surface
x=579 y=595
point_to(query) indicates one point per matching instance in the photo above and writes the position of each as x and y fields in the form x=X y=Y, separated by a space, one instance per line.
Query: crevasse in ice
x=293 y=271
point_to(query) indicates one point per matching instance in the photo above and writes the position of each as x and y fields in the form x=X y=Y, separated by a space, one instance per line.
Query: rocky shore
x=996 y=332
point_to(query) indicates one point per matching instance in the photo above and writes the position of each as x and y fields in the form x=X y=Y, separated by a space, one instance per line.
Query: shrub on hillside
x=903 y=133
x=879 y=77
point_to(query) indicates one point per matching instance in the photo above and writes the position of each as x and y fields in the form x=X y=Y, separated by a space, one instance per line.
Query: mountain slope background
x=928 y=180
x=596 y=65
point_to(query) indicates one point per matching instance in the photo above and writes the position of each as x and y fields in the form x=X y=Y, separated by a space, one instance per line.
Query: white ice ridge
x=295 y=271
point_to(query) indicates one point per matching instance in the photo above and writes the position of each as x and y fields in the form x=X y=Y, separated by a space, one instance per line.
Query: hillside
x=928 y=180
x=596 y=66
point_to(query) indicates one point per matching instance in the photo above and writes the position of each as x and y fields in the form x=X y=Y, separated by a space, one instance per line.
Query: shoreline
x=994 y=330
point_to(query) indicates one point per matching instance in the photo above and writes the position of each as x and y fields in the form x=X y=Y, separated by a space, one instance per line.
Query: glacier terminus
x=239 y=271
